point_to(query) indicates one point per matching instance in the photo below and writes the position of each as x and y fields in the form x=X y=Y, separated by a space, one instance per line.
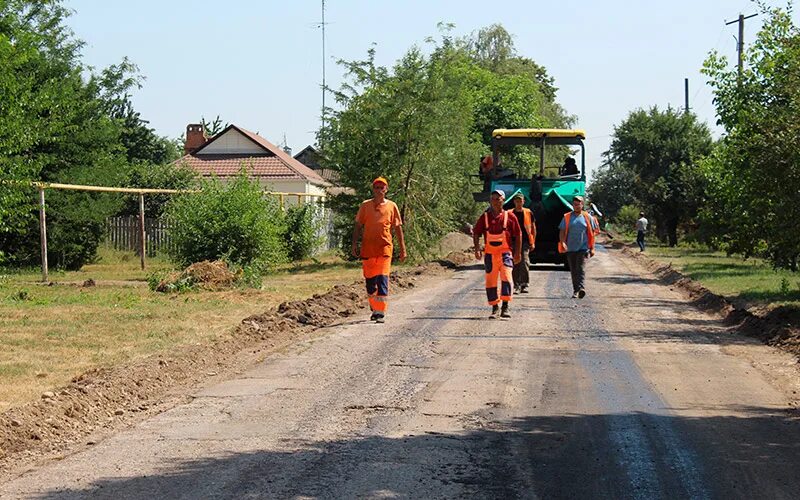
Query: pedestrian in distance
x=576 y=240
x=376 y=220
x=641 y=229
x=502 y=249
x=521 y=273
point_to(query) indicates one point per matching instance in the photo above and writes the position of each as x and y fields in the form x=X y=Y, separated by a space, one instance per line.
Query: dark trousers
x=640 y=240
x=521 y=273
x=577 y=263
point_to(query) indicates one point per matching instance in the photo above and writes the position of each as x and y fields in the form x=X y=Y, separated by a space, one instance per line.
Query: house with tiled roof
x=224 y=155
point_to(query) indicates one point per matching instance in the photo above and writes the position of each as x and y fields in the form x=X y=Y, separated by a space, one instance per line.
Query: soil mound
x=206 y=275
x=775 y=326
x=108 y=399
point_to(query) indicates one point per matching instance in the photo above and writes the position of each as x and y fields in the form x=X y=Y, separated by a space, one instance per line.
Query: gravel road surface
x=628 y=393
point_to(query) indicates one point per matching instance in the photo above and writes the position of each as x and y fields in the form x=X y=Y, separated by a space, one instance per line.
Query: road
x=628 y=393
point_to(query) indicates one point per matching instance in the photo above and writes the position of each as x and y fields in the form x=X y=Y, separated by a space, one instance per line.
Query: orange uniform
x=499 y=232
x=377 y=247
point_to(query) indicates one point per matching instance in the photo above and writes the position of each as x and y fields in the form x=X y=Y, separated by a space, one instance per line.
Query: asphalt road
x=628 y=393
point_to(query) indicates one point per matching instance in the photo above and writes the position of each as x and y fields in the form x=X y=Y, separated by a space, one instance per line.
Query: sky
x=259 y=64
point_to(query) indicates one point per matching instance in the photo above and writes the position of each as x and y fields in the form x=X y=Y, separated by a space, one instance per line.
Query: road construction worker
x=503 y=247
x=377 y=218
x=641 y=229
x=576 y=240
x=595 y=223
x=521 y=274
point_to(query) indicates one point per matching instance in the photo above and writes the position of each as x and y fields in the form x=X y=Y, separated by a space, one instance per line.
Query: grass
x=751 y=282
x=49 y=334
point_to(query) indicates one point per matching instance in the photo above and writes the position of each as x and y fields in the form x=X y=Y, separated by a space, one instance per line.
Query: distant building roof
x=227 y=152
x=310 y=157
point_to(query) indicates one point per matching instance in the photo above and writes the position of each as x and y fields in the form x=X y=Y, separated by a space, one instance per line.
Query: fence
x=122 y=233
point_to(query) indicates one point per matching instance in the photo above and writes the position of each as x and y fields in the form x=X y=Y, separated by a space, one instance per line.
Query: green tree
x=423 y=124
x=61 y=122
x=612 y=188
x=754 y=175
x=661 y=149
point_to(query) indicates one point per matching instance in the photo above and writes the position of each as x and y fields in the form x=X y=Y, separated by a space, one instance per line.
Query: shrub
x=233 y=222
x=626 y=218
x=303 y=225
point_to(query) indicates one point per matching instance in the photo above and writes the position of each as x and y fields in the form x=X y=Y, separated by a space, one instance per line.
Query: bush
x=303 y=224
x=233 y=222
x=626 y=218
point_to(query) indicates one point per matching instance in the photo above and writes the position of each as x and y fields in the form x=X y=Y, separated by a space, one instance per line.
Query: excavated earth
x=101 y=401
x=775 y=326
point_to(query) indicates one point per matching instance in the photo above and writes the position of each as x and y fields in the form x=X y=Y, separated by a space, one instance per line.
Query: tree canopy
x=754 y=175
x=424 y=123
x=60 y=121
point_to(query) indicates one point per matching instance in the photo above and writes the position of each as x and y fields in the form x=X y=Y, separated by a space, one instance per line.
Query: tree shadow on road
x=640 y=454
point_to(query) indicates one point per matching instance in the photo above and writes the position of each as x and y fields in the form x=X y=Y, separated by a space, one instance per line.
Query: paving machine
x=549 y=190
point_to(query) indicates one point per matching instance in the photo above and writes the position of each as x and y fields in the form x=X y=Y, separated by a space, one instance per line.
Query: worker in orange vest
x=503 y=248
x=376 y=219
x=576 y=240
x=521 y=274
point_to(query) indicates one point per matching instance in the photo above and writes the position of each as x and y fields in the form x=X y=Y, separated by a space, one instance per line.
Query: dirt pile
x=205 y=275
x=775 y=326
x=341 y=301
x=104 y=400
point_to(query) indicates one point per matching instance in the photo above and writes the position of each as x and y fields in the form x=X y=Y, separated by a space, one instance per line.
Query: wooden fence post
x=142 y=235
x=43 y=233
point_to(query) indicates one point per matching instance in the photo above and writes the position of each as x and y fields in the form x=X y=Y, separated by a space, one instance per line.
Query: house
x=310 y=157
x=226 y=153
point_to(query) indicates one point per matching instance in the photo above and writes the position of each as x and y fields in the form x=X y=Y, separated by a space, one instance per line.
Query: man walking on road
x=501 y=233
x=641 y=228
x=521 y=274
x=376 y=219
x=576 y=239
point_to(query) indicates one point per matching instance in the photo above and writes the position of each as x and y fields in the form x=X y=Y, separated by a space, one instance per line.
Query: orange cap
x=380 y=180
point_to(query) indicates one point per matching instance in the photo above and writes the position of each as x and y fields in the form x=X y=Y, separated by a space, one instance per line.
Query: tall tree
x=754 y=176
x=57 y=123
x=423 y=124
x=661 y=149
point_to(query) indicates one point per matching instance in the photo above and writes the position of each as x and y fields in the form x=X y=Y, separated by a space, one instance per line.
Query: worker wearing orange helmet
x=377 y=218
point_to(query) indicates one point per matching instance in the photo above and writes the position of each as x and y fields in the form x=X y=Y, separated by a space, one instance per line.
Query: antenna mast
x=323 y=63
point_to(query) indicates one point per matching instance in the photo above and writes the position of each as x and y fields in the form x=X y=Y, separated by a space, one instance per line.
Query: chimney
x=195 y=138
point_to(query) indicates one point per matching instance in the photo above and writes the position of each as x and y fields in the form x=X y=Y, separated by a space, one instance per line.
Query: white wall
x=232 y=142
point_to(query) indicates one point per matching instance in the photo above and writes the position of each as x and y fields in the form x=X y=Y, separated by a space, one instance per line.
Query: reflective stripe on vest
x=562 y=247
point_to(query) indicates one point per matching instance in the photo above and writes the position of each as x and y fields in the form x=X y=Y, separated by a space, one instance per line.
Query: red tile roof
x=274 y=163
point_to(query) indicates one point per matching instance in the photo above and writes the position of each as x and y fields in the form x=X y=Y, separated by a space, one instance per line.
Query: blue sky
x=258 y=64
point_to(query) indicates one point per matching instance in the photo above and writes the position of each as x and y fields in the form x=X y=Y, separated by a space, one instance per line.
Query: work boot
x=504 y=311
x=495 y=310
x=523 y=289
x=581 y=293
x=373 y=316
x=378 y=317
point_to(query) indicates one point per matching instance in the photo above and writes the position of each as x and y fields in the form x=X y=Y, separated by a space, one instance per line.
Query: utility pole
x=740 y=41
x=686 y=94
